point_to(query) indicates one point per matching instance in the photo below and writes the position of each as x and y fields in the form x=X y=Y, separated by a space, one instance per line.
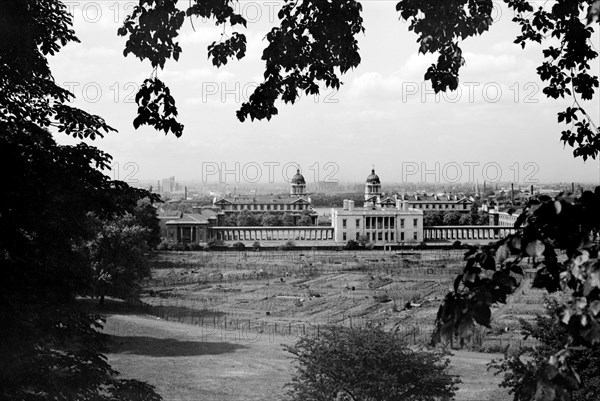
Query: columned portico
x=309 y=233
x=466 y=233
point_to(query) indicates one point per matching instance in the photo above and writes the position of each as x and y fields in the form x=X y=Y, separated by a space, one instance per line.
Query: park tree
x=246 y=218
x=271 y=219
x=288 y=220
x=51 y=346
x=451 y=218
x=230 y=220
x=118 y=255
x=146 y=217
x=305 y=219
x=433 y=218
x=465 y=219
x=367 y=364
x=477 y=216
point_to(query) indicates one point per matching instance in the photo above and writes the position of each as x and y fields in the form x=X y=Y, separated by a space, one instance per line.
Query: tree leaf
x=535 y=248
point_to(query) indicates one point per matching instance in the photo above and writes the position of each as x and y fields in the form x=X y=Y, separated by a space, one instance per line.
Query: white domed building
x=381 y=220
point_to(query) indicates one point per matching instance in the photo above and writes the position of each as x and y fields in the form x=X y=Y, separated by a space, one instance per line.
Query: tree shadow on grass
x=168 y=347
x=119 y=307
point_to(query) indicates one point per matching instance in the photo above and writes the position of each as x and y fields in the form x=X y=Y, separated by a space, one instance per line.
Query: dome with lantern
x=298 y=185
x=298 y=178
x=373 y=178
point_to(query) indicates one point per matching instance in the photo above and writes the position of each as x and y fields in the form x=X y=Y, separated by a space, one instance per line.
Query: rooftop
x=261 y=199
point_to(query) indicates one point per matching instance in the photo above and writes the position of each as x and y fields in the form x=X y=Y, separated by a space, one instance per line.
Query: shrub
x=362 y=240
x=163 y=246
x=239 y=246
x=214 y=243
x=288 y=245
x=196 y=247
x=352 y=245
x=180 y=247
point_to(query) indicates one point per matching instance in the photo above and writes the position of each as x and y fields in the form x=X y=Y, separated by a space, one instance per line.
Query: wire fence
x=227 y=311
x=216 y=324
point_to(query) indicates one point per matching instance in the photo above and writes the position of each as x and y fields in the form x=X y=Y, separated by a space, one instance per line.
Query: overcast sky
x=498 y=127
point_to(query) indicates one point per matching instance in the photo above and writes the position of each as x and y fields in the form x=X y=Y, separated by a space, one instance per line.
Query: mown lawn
x=188 y=363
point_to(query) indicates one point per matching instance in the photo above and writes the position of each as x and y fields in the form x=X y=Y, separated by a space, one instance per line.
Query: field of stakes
x=293 y=293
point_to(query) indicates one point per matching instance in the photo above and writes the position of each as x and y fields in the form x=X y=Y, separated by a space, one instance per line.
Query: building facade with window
x=445 y=203
x=192 y=228
x=506 y=217
x=297 y=203
x=382 y=221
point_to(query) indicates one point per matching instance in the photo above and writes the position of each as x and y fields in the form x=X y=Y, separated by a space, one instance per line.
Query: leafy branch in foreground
x=51 y=347
x=561 y=235
x=563 y=27
x=522 y=369
x=31 y=30
x=315 y=42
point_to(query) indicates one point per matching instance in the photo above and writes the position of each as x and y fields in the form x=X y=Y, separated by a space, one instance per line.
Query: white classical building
x=382 y=221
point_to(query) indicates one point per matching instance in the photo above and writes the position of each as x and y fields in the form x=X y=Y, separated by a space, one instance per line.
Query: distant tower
x=298 y=185
x=373 y=186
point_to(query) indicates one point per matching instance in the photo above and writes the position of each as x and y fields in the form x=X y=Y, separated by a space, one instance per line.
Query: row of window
x=378 y=223
x=380 y=236
x=440 y=206
x=268 y=207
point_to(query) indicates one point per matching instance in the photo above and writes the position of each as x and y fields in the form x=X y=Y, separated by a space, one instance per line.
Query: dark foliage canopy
x=562 y=237
x=523 y=369
x=51 y=348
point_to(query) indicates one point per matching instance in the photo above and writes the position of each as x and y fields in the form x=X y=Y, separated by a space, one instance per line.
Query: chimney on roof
x=345 y=204
x=512 y=193
x=350 y=205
